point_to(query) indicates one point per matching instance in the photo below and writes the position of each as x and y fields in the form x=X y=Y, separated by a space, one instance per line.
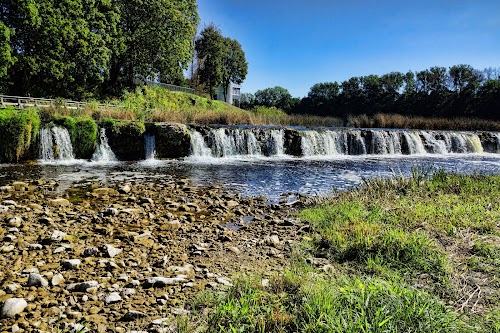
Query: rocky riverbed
x=125 y=256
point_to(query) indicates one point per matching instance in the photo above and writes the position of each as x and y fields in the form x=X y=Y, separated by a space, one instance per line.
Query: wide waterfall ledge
x=214 y=142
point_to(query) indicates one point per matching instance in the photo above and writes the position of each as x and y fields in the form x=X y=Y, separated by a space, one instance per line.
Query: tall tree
x=235 y=66
x=6 y=59
x=210 y=49
x=60 y=46
x=154 y=41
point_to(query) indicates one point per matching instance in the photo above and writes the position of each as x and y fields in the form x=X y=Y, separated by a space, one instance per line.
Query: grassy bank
x=399 y=121
x=399 y=255
x=155 y=104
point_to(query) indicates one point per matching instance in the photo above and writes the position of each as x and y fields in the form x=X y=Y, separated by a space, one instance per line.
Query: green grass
x=405 y=255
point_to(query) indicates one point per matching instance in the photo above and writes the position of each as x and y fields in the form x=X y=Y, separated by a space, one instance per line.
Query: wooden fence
x=26 y=102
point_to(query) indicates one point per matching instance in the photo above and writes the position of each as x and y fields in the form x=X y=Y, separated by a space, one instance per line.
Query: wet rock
x=273 y=241
x=111 y=211
x=110 y=251
x=13 y=307
x=232 y=204
x=20 y=186
x=59 y=202
x=36 y=280
x=71 y=263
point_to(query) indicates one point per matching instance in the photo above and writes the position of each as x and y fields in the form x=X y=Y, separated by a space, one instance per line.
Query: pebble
x=160 y=282
x=90 y=252
x=71 y=263
x=133 y=315
x=57 y=279
x=16 y=221
x=110 y=250
x=57 y=236
x=36 y=280
x=35 y=247
x=7 y=248
x=112 y=298
x=224 y=282
x=13 y=307
x=59 y=202
x=82 y=287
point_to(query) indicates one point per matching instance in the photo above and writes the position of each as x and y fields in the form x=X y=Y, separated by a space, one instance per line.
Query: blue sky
x=297 y=43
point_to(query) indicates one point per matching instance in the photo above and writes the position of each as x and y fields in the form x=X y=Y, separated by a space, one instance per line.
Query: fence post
x=3 y=104
x=19 y=103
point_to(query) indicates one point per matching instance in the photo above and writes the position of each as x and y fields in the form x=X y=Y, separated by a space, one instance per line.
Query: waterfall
x=103 y=152
x=226 y=142
x=261 y=141
x=414 y=143
x=46 y=145
x=55 y=144
x=150 y=146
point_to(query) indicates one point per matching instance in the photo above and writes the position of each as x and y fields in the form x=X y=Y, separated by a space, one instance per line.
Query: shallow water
x=253 y=176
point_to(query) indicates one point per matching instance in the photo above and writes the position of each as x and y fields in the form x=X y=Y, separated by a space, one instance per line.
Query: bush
x=18 y=130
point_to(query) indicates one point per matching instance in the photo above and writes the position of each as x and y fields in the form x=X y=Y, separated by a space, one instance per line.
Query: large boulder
x=172 y=140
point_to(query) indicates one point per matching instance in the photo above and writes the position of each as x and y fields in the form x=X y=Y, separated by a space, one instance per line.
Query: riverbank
x=124 y=255
x=398 y=255
x=165 y=256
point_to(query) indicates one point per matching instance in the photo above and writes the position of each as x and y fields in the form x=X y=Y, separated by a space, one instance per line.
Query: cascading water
x=103 y=152
x=226 y=142
x=55 y=144
x=150 y=146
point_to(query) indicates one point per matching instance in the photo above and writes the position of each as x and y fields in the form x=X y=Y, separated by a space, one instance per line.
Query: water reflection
x=269 y=177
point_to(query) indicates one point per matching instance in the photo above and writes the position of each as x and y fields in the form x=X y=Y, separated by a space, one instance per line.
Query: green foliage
x=277 y=97
x=331 y=305
x=18 y=130
x=123 y=127
x=357 y=232
x=6 y=59
x=210 y=50
x=154 y=37
x=61 y=47
x=235 y=66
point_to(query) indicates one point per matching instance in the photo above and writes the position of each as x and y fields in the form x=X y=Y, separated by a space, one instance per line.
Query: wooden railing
x=25 y=102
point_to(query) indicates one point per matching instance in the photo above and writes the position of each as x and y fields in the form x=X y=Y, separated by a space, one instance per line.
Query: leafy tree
x=154 y=40
x=60 y=47
x=464 y=75
x=210 y=49
x=277 y=97
x=235 y=66
x=324 y=97
x=247 y=101
x=6 y=59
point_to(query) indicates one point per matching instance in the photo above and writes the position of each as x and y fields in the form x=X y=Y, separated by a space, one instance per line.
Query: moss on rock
x=126 y=138
x=83 y=133
x=18 y=130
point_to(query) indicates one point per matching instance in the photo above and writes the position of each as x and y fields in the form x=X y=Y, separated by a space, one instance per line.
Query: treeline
x=93 y=48
x=458 y=91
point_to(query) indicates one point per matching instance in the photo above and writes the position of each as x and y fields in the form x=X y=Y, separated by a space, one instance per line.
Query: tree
x=154 y=40
x=235 y=66
x=462 y=76
x=323 y=97
x=60 y=47
x=277 y=97
x=6 y=59
x=247 y=101
x=210 y=49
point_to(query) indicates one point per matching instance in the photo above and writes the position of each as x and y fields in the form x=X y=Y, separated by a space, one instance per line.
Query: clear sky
x=297 y=43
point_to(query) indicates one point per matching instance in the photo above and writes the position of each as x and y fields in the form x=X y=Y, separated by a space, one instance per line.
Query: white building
x=233 y=94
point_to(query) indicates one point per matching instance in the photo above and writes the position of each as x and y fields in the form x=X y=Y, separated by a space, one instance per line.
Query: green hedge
x=83 y=133
x=18 y=130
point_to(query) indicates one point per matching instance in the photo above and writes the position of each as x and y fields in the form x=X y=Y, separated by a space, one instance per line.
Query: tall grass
x=400 y=121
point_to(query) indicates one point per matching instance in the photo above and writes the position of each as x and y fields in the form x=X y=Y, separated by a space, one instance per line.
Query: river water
x=272 y=177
